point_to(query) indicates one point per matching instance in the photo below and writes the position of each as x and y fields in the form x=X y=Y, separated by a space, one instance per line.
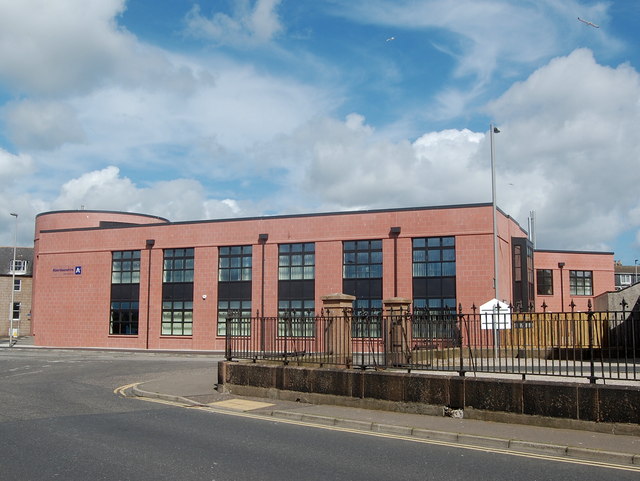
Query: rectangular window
x=434 y=274
x=623 y=280
x=362 y=259
x=296 y=318
x=362 y=278
x=18 y=266
x=177 y=318
x=124 y=317
x=234 y=289
x=125 y=292
x=296 y=261
x=17 y=284
x=125 y=267
x=239 y=315
x=581 y=283
x=544 y=279
x=367 y=318
x=15 y=312
x=178 y=265
x=177 y=292
x=435 y=319
x=296 y=289
x=234 y=264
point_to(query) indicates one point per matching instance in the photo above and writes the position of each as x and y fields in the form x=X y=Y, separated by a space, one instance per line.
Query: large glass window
x=434 y=274
x=581 y=283
x=434 y=257
x=177 y=318
x=178 y=265
x=177 y=292
x=296 y=261
x=296 y=289
x=15 y=312
x=362 y=259
x=124 y=317
x=362 y=278
x=239 y=315
x=544 y=280
x=234 y=289
x=125 y=292
x=234 y=264
x=296 y=317
x=125 y=267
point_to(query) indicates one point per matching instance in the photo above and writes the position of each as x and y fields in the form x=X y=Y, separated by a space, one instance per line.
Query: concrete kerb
x=420 y=433
x=136 y=391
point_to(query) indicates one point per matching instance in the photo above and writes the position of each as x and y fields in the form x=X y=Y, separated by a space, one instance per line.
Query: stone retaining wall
x=561 y=404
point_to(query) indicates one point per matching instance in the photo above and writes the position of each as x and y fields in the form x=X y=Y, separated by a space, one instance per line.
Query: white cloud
x=345 y=165
x=180 y=199
x=569 y=131
x=14 y=167
x=248 y=26
x=47 y=125
x=70 y=46
x=568 y=150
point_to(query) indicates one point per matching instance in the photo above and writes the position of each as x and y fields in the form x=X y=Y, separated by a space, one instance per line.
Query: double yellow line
x=122 y=392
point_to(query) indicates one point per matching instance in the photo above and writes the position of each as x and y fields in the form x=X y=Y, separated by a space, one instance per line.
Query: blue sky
x=211 y=109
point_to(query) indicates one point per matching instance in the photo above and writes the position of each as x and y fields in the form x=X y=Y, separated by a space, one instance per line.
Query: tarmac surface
x=198 y=389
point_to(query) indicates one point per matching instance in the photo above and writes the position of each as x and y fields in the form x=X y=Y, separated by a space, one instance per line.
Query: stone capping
x=595 y=407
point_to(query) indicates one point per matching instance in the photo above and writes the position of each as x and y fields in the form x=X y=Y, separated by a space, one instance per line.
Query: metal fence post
x=592 y=377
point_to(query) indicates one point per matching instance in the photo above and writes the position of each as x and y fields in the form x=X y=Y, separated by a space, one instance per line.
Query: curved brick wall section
x=77 y=219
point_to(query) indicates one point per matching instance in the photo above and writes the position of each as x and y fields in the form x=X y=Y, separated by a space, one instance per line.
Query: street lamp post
x=13 y=280
x=494 y=130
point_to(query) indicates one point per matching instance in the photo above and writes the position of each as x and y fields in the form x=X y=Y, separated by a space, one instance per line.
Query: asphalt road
x=61 y=420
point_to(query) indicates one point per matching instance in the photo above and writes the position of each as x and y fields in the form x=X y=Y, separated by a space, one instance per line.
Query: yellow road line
x=120 y=390
x=583 y=462
x=426 y=441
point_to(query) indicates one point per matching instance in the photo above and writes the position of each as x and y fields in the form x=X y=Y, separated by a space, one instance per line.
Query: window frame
x=230 y=255
x=578 y=284
x=544 y=282
x=362 y=259
x=125 y=262
x=18 y=266
x=177 y=312
x=243 y=327
x=128 y=320
x=307 y=262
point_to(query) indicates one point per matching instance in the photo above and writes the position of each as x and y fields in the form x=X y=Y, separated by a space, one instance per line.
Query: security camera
x=204 y=296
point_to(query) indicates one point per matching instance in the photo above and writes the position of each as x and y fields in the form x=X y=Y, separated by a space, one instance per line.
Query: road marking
x=237 y=413
x=121 y=390
x=522 y=454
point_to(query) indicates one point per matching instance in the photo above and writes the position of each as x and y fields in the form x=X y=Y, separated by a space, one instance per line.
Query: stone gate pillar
x=338 y=309
x=398 y=334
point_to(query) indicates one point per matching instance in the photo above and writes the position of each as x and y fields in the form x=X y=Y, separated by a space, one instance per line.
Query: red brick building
x=113 y=279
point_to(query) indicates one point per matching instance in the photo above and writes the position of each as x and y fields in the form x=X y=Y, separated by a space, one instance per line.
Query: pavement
x=198 y=388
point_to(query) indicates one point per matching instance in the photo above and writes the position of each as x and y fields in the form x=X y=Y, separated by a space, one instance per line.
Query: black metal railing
x=593 y=345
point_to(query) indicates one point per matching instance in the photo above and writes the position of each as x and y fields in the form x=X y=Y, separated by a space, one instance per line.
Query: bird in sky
x=390 y=39
x=588 y=23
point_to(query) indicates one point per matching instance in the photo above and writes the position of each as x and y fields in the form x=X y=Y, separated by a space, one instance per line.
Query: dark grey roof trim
x=97 y=211
x=573 y=252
